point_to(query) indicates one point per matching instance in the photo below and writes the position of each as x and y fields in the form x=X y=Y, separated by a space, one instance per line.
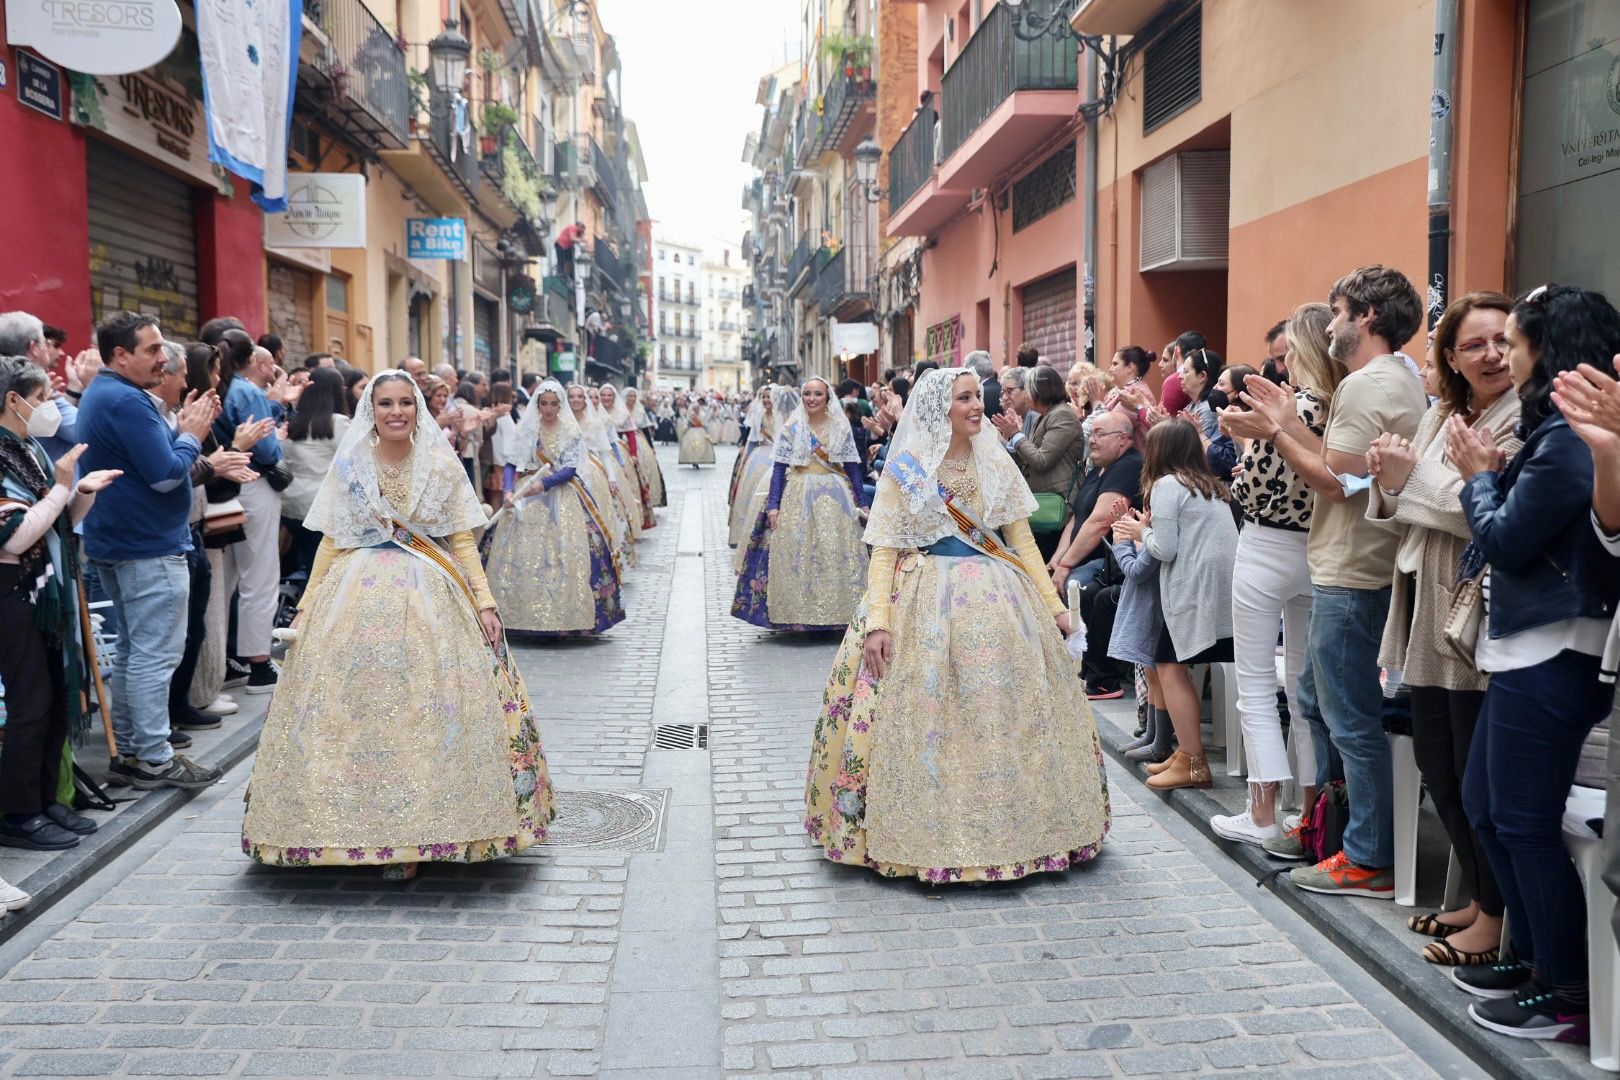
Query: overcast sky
x=691 y=73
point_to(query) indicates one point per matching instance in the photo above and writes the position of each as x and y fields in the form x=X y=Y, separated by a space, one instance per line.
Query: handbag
x=1461 y=627
x=1052 y=509
x=278 y=476
x=224 y=517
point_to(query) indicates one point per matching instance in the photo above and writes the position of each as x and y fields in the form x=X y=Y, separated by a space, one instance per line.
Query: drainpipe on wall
x=1442 y=110
x=1088 y=270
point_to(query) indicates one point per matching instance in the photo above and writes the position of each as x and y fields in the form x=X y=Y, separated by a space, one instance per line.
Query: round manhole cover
x=620 y=820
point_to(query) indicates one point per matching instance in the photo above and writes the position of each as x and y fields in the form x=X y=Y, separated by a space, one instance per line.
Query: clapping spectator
x=41 y=652
x=1050 y=456
x=1550 y=591
x=137 y=536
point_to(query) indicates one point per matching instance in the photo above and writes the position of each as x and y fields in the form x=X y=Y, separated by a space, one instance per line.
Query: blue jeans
x=150 y=597
x=1085 y=574
x=1329 y=766
x=1520 y=766
x=1346 y=628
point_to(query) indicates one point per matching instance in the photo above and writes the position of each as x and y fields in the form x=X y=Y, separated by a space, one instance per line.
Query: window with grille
x=1048 y=187
x=1172 y=71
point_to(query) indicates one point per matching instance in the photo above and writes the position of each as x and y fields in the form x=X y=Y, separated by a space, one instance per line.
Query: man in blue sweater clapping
x=137 y=536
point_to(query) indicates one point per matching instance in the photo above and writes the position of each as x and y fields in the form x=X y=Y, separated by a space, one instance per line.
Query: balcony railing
x=911 y=162
x=729 y=328
x=806 y=129
x=494 y=169
x=461 y=159
x=994 y=65
x=608 y=263
x=801 y=259
x=364 y=69
x=845 y=278
x=845 y=96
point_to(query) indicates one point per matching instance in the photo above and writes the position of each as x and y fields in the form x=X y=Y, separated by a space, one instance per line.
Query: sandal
x=1444 y=952
x=1431 y=926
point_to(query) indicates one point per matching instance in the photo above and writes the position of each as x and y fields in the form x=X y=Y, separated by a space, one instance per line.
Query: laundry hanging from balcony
x=250 y=74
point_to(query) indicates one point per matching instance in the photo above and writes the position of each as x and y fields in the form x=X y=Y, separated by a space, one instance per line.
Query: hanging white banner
x=250 y=74
x=96 y=38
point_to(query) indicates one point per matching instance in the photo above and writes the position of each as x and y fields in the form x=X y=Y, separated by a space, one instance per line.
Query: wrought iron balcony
x=354 y=71
x=608 y=264
x=515 y=189
x=800 y=261
x=845 y=279
x=457 y=154
x=911 y=161
x=840 y=105
x=729 y=327
x=806 y=130
x=995 y=64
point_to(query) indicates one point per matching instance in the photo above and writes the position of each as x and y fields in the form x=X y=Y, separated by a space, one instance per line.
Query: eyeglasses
x=1095 y=435
x=1477 y=346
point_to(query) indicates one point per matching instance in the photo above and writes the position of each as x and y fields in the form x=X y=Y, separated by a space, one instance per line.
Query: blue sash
x=952 y=546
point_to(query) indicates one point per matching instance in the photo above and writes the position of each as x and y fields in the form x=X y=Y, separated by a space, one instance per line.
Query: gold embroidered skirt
x=696 y=447
x=976 y=757
x=595 y=478
x=651 y=474
x=810 y=570
x=392 y=737
x=753 y=477
x=549 y=568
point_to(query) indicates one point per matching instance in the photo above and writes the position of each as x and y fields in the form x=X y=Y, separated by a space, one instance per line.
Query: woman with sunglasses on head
x=1550 y=590
x=1415 y=487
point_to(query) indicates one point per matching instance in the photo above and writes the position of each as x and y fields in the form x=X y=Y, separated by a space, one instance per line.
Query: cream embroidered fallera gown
x=976 y=757
x=394 y=736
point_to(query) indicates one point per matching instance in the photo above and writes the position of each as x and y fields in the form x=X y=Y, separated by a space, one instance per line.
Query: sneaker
x=1534 y=1013
x=1287 y=846
x=1493 y=981
x=1339 y=876
x=220 y=706
x=178 y=740
x=11 y=897
x=122 y=770
x=237 y=672
x=1102 y=693
x=262 y=679
x=1241 y=827
x=194 y=720
x=1291 y=821
x=178 y=772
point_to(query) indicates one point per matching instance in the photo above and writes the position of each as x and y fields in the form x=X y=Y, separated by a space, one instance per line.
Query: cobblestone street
x=680 y=926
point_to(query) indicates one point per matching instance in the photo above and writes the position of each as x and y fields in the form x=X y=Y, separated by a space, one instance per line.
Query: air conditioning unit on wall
x=1186 y=199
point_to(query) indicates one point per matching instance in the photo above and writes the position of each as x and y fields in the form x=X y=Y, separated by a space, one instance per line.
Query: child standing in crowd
x=1186 y=524
x=1138 y=622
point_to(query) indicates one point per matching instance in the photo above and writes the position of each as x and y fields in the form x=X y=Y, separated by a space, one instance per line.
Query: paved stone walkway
x=731 y=949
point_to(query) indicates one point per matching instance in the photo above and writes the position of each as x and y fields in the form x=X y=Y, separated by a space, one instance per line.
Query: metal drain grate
x=681 y=737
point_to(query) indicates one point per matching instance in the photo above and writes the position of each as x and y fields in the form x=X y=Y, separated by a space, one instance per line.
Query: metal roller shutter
x=143 y=241
x=290 y=291
x=486 y=343
x=1050 y=318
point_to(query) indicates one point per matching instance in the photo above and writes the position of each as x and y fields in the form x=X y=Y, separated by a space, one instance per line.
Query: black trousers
x=36 y=717
x=1442 y=731
x=202 y=583
x=1098 y=605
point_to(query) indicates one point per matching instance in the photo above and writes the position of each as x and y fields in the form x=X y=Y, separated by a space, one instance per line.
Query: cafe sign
x=97 y=37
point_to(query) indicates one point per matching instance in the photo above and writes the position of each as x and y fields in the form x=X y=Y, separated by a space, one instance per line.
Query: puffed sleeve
x=324 y=557
x=879 y=587
x=1023 y=542
x=465 y=551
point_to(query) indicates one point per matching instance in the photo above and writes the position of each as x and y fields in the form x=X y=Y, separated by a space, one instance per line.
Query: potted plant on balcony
x=498 y=116
x=420 y=88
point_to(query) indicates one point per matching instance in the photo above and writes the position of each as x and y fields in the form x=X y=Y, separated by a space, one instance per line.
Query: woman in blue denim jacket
x=1550 y=592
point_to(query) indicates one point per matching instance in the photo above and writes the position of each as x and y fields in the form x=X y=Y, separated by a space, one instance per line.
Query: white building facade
x=677 y=312
x=724 y=276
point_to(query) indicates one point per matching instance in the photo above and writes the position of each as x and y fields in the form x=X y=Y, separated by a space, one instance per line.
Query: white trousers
x=253 y=569
x=1271 y=583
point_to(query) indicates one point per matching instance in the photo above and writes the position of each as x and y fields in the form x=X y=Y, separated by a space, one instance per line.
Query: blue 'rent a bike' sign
x=436 y=238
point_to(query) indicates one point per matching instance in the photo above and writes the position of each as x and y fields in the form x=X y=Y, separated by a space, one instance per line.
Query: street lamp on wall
x=867 y=156
x=1035 y=19
x=448 y=55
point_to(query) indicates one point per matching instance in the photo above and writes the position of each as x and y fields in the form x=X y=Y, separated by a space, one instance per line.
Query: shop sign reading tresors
x=97 y=37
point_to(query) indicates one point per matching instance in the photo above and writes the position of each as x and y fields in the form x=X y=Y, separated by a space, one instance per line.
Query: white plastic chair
x=106 y=644
x=1408 y=789
x=1602 y=953
x=1225 y=716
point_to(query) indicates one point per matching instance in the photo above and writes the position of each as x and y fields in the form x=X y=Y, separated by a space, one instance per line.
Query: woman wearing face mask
x=927 y=760
x=550 y=561
x=804 y=563
x=400 y=732
x=42 y=658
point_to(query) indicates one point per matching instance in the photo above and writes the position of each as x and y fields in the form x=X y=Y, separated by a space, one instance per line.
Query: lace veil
x=908 y=510
x=636 y=417
x=525 y=455
x=793 y=435
x=350 y=508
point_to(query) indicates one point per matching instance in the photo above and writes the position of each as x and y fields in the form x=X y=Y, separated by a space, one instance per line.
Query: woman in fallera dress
x=805 y=567
x=599 y=472
x=400 y=732
x=627 y=486
x=955 y=742
x=639 y=435
x=550 y=563
x=752 y=481
x=697 y=447
x=634 y=489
